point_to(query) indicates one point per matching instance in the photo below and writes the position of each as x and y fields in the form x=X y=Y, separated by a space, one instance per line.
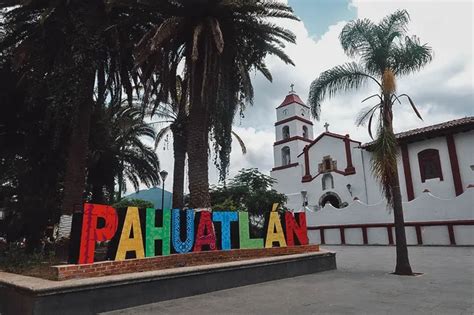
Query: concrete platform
x=28 y=295
x=362 y=284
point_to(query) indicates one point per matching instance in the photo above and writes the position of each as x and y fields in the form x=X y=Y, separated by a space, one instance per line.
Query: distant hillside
x=153 y=195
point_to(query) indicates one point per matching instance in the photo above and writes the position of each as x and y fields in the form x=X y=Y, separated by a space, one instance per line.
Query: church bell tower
x=293 y=129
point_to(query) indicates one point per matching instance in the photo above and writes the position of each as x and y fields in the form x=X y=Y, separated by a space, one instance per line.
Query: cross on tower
x=326 y=125
x=292 y=85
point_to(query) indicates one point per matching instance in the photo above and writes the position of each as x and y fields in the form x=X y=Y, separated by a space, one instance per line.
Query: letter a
x=127 y=244
x=275 y=230
x=203 y=238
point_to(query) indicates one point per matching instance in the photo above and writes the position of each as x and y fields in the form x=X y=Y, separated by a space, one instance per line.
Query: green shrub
x=140 y=203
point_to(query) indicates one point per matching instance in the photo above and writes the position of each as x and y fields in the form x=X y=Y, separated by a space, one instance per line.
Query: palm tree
x=117 y=153
x=385 y=52
x=176 y=113
x=220 y=42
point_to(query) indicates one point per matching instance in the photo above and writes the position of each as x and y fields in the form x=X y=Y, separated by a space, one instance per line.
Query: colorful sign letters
x=139 y=233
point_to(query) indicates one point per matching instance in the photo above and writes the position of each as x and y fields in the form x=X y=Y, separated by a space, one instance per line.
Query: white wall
x=425 y=208
x=465 y=151
x=442 y=188
x=289 y=181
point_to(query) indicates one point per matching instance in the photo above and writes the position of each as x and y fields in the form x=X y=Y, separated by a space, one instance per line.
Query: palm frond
x=357 y=37
x=160 y=135
x=273 y=50
x=216 y=33
x=410 y=56
x=368 y=98
x=384 y=161
x=395 y=23
x=262 y=67
x=340 y=78
x=240 y=141
x=412 y=105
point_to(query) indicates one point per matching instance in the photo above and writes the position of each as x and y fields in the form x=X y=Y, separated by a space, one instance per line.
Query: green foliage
x=227 y=204
x=249 y=191
x=125 y=202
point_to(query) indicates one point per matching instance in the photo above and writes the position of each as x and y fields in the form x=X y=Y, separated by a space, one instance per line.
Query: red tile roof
x=462 y=124
x=290 y=99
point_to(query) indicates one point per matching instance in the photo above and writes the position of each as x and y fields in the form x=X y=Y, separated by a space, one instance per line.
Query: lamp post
x=163 y=175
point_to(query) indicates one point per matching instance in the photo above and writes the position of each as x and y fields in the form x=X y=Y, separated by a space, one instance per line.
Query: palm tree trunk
x=403 y=264
x=198 y=142
x=179 y=148
x=120 y=182
x=86 y=21
x=74 y=179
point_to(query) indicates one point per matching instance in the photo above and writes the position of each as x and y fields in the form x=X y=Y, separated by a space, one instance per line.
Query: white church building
x=330 y=177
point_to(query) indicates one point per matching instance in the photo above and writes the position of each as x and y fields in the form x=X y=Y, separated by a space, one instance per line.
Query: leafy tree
x=249 y=191
x=65 y=50
x=29 y=174
x=125 y=203
x=220 y=42
x=68 y=57
x=385 y=53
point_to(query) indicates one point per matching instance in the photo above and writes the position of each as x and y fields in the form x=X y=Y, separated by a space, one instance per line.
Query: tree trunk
x=179 y=148
x=87 y=19
x=198 y=142
x=403 y=264
x=75 y=175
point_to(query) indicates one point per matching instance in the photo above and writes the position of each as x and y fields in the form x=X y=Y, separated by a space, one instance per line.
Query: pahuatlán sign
x=140 y=233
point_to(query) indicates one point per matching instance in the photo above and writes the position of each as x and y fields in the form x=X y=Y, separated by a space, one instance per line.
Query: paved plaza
x=361 y=285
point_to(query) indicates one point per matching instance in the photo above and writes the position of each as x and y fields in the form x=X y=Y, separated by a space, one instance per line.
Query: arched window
x=328 y=181
x=286 y=132
x=305 y=132
x=430 y=165
x=285 y=156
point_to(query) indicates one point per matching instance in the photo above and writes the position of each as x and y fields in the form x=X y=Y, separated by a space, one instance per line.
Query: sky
x=442 y=91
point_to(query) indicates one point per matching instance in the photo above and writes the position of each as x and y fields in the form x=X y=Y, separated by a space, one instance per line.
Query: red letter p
x=91 y=234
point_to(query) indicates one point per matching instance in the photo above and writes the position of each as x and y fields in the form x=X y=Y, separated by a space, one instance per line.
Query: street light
x=163 y=175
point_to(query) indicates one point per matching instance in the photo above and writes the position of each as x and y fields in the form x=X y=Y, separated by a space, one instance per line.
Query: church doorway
x=331 y=198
